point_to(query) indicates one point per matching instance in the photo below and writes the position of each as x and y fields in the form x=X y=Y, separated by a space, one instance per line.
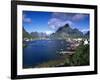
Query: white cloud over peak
x=59 y=19
x=84 y=30
x=49 y=32
x=78 y=17
x=55 y=23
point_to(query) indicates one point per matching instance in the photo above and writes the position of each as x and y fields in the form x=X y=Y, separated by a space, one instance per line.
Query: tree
x=80 y=57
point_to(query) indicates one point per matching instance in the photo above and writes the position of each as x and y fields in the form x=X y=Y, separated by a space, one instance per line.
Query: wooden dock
x=67 y=52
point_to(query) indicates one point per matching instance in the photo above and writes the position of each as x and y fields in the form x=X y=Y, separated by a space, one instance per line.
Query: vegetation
x=24 y=45
x=81 y=57
x=26 y=34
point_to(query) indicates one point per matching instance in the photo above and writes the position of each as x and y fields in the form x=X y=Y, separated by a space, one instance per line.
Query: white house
x=86 y=42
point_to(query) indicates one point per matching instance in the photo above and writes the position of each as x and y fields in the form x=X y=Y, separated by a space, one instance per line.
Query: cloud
x=26 y=19
x=70 y=16
x=78 y=17
x=84 y=30
x=48 y=32
x=55 y=23
x=59 y=19
x=63 y=16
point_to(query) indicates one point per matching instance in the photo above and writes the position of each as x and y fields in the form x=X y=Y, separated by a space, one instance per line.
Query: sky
x=49 y=22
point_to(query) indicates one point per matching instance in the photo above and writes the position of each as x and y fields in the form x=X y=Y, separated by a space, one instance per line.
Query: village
x=74 y=43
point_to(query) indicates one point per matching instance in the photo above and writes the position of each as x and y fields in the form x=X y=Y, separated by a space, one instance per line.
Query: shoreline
x=52 y=63
x=57 y=62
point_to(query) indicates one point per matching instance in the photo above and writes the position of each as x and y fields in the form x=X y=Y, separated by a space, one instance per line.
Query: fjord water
x=41 y=51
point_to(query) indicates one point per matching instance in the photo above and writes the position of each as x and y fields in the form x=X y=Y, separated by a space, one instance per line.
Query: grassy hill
x=26 y=34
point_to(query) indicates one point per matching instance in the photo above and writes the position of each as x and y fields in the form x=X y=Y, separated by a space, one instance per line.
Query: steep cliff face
x=26 y=34
x=66 y=31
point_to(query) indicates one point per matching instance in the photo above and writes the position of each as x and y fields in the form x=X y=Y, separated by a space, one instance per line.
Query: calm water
x=40 y=51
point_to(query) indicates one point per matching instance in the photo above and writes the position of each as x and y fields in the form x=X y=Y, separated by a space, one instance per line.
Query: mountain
x=26 y=34
x=87 y=34
x=42 y=35
x=35 y=34
x=66 y=32
x=61 y=33
x=39 y=35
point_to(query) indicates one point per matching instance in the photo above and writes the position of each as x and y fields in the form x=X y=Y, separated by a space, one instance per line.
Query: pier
x=66 y=52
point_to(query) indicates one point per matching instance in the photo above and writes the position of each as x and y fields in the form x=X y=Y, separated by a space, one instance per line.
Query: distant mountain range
x=61 y=33
x=39 y=35
x=33 y=35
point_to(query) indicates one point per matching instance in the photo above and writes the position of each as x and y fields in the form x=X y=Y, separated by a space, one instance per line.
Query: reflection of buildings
x=26 y=39
x=41 y=38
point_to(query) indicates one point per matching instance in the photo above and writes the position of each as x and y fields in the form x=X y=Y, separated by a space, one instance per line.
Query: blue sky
x=49 y=22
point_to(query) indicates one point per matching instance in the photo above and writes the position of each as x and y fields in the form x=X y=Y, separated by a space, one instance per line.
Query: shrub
x=80 y=57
